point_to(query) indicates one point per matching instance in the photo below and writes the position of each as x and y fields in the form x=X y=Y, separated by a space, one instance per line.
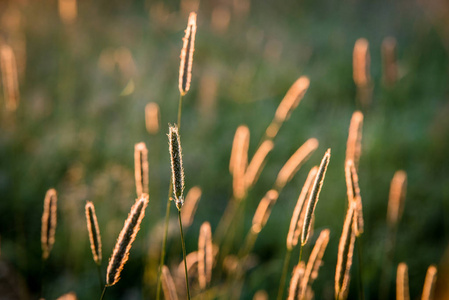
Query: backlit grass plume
x=314 y=262
x=354 y=142
x=152 y=116
x=205 y=255
x=168 y=285
x=294 y=162
x=353 y=191
x=429 y=283
x=177 y=170
x=49 y=222
x=314 y=195
x=239 y=161
x=185 y=67
x=288 y=104
x=94 y=232
x=263 y=211
x=402 y=288
x=295 y=281
x=297 y=220
x=345 y=256
x=190 y=206
x=141 y=168
x=257 y=162
x=126 y=238
x=398 y=189
x=9 y=77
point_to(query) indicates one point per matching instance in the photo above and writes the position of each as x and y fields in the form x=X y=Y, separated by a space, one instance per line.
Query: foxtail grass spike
x=185 y=67
x=315 y=261
x=260 y=295
x=9 y=77
x=94 y=232
x=295 y=162
x=257 y=163
x=292 y=98
x=295 y=222
x=49 y=222
x=239 y=161
x=168 y=285
x=314 y=195
x=125 y=240
x=205 y=255
x=354 y=143
x=294 y=289
x=396 y=201
x=361 y=63
x=353 y=191
x=152 y=116
x=263 y=210
x=429 y=284
x=141 y=168
x=190 y=205
x=402 y=288
x=177 y=169
x=345 y=256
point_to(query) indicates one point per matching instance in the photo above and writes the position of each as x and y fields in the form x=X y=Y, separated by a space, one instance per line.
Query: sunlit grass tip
x=49 y=222
x=125 y=240
x=94 y=232
x=185 y=67
x=141 y=168
x=314 y=196
x=205 y=255
x=402 y=288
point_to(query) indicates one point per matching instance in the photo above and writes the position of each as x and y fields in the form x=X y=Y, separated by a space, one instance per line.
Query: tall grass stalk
x=184 y=254
x=284 y=274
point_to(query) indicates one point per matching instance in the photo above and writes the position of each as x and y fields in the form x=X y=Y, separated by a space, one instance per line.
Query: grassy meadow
x=86 y=76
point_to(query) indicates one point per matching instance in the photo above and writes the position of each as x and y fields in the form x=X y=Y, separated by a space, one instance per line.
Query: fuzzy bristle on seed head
x=361 y=63
x=190 y=205
x=295 y=162
x=185 y=67
x=94 y=232
x=396 y=201
x=402 y=288
x=263 y=210
x=49 y=222
x=429 y=283
x=315 y=261
x=125 y=240
x=152 y=116
x=168 y=285
x=296 y=222
x=177 y=169
x=353 y=191
x=141 y=168
x=314 y=195
x=345 y=255
x=354 y=142
x=205 y=255
x=9 y=77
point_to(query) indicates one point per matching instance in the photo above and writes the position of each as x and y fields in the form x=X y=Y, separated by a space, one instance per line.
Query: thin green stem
x=164 y=243
x=359 y=252
x=284 y=275
x=179 y=112
x=300 y=253
x=184 y=254
x=104 y=292
x=99 y=276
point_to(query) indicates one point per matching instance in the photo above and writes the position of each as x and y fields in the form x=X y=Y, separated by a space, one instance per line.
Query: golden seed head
x=125 y=240
x=185 y=68
x=152 y=116
x=263 y=210
x=94 y=232
x=141 y=168
x=49 y=222
x=361 y=63
x=205 y=255
x=177 y=169
x=396 y=201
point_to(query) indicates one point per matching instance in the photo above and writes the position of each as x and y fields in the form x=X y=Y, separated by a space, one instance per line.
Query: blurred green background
x=80 y=114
